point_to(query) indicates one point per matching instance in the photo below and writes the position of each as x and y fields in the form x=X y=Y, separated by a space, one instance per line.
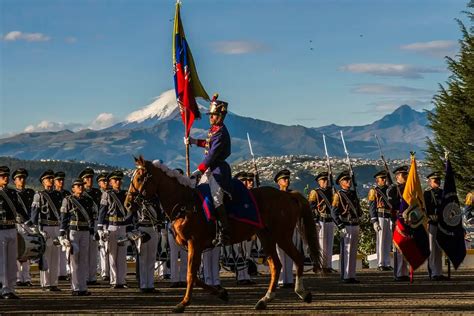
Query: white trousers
x=147 y=259
x=402 y=266
x=64 y=268
x=286 y=273
x=80 y=241
x=211 y=266
x=93 y=257
x=435 y=261
x=23 y=271
x=117 y=255
x=8 y=253
x=104 y=262
x=351 y=241
x=178 y=267
x=384 y=242
x=162 y=265
x=216 y=190
x=50 y=258
x=242 y=251
x=326 y=242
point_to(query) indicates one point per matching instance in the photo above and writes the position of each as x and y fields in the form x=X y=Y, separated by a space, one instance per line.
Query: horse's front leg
x=194 y=261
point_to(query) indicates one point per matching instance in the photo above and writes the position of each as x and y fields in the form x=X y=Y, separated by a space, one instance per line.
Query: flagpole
x=188 y=170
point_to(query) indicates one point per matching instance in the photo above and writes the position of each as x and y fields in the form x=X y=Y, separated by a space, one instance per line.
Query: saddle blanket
x=242 y=207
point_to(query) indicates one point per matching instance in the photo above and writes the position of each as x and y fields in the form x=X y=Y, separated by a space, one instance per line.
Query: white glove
x=65 y=243
x=377 y=227
x=44 y=234
x=318 y=225
x=196 y=173
x=189 y=141
x=104 y=235
x=343 y=232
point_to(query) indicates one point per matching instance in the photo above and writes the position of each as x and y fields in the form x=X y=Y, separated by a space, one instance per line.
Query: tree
x=452 y=119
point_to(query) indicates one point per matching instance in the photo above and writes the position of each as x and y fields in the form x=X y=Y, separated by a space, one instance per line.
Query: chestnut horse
x=280 y=212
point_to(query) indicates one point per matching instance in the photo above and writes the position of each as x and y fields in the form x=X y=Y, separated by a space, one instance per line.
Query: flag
x=410 y=235
x=186 y=81
x=450 y=235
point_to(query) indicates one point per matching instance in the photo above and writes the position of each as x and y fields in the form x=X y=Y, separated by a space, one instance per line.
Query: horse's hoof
x=308 y=298
x=223 y=295
x=179 y=308
x=261 y=305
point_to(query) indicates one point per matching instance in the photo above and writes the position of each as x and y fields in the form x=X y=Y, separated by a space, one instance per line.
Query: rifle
x=351 y=171
x=328 y=163
x=389 y=177
x=257 y=178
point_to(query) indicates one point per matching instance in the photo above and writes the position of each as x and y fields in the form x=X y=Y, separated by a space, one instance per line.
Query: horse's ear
x=135 y=158
x=141 y=160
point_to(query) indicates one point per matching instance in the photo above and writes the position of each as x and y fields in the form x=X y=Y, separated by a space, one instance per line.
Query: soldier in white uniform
x=345 y=213
x=77 y=217
x=381 y=219
x=10 y=214
x=64 y=268
x=286 y=280
x=112 y=214
x=320 y=200
x=103 y=244
x=26 y=195
x=45 y=214
x=211 y=266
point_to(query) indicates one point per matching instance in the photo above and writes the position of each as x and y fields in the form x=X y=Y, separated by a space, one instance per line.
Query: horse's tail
x=307 y=228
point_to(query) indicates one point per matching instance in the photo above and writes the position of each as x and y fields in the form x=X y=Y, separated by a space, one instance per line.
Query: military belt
x=115 y=218
x=78 y=223
x=7 y=222
x=326 y=220
x=79 y=228
x=45 y=222
x=384 y=213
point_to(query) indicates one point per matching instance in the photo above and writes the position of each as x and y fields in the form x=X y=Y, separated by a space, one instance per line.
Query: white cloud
x=28 y=37
x=382 y=89
x=70 y=40
x=433 y=48
x=103 y=120
x=238 y=47
x=391 y=70
x=48 y=126
x=389 y=105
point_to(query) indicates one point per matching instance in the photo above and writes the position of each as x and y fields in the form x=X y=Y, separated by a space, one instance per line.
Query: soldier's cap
x=20 y=172
x=102 y=176
x=380 y=174
x=322 y=175
x=88 y=172
x=401 y=169
x=60 y=175
x=344 y=175
x=282 y=174
x=116 y=174
x=242 y=175
x=181 y=171
x=4 y=171
x=78 y=181
x=250 y=176
x=434 y=175
x=218 y=107
x=48 y=174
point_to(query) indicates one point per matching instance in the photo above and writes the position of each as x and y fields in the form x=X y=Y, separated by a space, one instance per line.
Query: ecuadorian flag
x=186 y=80
x=410 y=234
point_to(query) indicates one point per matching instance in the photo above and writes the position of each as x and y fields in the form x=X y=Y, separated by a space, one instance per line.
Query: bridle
x=137 y=195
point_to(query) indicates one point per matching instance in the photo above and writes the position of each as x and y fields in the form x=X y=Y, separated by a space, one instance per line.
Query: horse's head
x=141 y=187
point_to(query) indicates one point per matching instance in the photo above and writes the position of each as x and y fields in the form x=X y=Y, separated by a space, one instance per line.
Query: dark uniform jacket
x=433 y=200
x=74 y=217
x=320 y=201
x=378 y=203
x=44 y=213
x=26 y=199
x=346 y=208
x=63 y=193
x=11 y=211
x=395 y=198
x=96 y=195
x=112 y=210
x=218 y=148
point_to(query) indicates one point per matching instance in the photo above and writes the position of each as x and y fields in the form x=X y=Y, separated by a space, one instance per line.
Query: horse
x=280 y=212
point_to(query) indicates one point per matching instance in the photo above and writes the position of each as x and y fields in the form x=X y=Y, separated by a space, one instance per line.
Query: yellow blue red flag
x=186 y=81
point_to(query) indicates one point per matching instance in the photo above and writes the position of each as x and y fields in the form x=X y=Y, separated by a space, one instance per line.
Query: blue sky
x=293 y=62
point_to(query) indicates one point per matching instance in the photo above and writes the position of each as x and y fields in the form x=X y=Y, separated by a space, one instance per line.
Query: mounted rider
x=214 y=169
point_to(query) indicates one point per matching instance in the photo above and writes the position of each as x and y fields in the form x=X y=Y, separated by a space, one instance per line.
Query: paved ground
x=377 y=293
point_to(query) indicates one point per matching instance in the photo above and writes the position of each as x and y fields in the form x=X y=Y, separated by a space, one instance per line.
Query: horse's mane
x=182 y=179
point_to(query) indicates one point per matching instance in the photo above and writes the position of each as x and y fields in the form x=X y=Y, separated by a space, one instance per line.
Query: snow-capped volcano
x=164 y=107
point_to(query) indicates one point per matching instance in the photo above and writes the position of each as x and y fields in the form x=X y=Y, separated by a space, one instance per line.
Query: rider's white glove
x=377 y=227
x=189 y=141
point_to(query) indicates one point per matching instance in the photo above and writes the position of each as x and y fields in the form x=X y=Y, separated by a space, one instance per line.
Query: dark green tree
x=452 y=119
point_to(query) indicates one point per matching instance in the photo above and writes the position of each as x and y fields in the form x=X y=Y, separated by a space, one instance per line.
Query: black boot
x=222 y=231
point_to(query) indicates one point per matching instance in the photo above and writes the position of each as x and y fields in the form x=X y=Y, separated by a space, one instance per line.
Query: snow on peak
x=162 y=108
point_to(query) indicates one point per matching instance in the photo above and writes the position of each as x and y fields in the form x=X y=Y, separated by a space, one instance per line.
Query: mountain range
x=156 y=131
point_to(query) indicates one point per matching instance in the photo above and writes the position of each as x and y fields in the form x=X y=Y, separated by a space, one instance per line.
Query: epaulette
x=312 y=196
x=371 y=195
x=335 y=199
x=469 y=198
